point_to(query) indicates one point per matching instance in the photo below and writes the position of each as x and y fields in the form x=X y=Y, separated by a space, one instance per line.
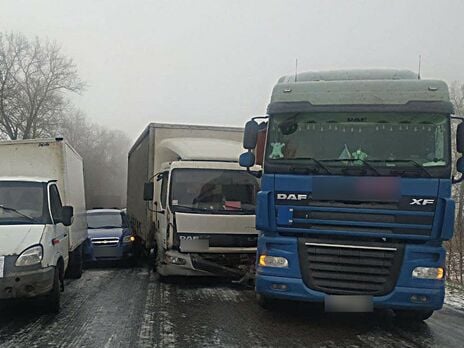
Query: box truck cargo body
x=199 y=218
x=42 y=218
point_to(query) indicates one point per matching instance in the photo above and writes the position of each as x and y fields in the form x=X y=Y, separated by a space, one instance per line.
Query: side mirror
x=148 y=189
x=250 y=135
x=247 y=159
x=460 y=138
x=67 y=215
x=460 y=165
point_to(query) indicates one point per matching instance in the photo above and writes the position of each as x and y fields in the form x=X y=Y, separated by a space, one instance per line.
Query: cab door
x=162 y=216
x=60 y=239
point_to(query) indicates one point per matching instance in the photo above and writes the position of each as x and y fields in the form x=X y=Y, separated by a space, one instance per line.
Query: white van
x=42 y=218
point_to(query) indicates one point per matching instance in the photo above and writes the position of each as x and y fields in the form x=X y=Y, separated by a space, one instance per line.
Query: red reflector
x=55 y=241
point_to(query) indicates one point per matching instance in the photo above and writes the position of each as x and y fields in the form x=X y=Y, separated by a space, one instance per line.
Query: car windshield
x=213 y=190
x=22 y=202
x=105 y=220
x=379 y=143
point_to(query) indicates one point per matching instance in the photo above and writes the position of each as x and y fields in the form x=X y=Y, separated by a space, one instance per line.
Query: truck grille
x=350 y=268
x=114 y=241
x=372 y=218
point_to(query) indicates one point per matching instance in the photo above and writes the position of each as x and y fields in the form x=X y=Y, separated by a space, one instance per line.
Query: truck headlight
x=31 y=256
x=128 y=239
x=428 y=272
x=273 y=261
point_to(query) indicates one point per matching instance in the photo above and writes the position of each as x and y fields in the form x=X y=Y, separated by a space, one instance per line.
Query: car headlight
x=273 y=261
x=428 y=272
x=128 y=239
x=31 y=256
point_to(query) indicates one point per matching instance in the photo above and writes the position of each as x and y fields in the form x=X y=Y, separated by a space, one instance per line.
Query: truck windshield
x=105 y=220
x=400 y=144
x=22 y=203
x=213 y=191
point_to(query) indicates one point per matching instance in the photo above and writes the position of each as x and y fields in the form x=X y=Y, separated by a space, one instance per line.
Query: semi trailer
x=355 y=199
x=42 y=219
x=190 y=202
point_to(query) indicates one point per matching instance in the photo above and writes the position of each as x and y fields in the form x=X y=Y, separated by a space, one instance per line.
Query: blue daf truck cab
x=355 y=199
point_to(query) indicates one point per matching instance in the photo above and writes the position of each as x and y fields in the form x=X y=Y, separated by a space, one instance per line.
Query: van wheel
x=53 y=299
x=76 y=264
x=413 y=315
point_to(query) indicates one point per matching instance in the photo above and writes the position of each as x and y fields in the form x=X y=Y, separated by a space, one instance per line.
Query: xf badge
x=421 y=201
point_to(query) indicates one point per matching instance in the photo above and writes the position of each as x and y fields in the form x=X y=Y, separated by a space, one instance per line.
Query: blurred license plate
x=348 y=303
x=194 y=245
x=2 y=265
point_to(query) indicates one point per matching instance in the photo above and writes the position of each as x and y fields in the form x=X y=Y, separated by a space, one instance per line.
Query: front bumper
x=399 y=298
x=288 y=283
x=27 y=284
x=112 y=253
x=199 y=265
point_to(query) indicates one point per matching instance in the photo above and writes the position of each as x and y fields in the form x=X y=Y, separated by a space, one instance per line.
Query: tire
x=264 y=301
x=413 y=315
x=76 y=264
x=52 y=301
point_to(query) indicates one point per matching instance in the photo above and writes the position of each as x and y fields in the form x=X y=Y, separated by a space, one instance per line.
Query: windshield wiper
x=17 y=212
x=240 y=210
x=300 y=166
x=190 y=208
x=103 y=227
x=416 y=164
x=366 y=164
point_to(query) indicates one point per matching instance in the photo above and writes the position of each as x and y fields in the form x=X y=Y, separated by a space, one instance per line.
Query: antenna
x=296 y=69
x=419 y=70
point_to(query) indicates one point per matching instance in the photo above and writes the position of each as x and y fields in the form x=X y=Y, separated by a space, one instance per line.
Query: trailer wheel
x=413 y=315
x=76 y=263
x=52 y=301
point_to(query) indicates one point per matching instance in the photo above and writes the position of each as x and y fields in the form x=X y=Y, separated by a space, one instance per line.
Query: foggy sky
x=215 y=62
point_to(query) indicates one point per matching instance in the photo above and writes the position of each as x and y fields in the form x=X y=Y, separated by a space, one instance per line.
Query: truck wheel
x=52 y=300
x=76 y=263
x=264 y=301
x=413 y=315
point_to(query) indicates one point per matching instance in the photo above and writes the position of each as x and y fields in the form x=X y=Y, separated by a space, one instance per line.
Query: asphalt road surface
x=129 y=307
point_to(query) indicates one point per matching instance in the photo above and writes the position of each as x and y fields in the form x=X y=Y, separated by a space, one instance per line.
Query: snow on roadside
x=455 y=297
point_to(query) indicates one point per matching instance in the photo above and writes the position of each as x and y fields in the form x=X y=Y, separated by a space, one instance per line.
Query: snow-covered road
x=124 y=307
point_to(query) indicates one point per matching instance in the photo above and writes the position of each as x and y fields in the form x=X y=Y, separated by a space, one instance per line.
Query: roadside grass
x=455 y=295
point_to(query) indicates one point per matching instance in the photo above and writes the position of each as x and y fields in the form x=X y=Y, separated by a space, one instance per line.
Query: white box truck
x=200 y=215
x=42 y=218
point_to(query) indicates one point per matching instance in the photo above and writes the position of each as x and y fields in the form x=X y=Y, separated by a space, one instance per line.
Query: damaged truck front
x=191 y=203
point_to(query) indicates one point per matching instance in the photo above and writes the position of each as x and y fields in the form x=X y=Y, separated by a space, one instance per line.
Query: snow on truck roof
x=359 y=87
x=351 y=75
x=202 y=149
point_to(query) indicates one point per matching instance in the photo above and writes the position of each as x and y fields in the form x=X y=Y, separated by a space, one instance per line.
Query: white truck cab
x=191 y=203
x=41 y=236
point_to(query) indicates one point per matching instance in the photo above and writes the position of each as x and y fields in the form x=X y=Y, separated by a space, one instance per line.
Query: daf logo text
x=292 y=196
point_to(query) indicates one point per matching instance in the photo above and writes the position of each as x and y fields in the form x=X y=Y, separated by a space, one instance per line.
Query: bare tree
x=34 y=77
